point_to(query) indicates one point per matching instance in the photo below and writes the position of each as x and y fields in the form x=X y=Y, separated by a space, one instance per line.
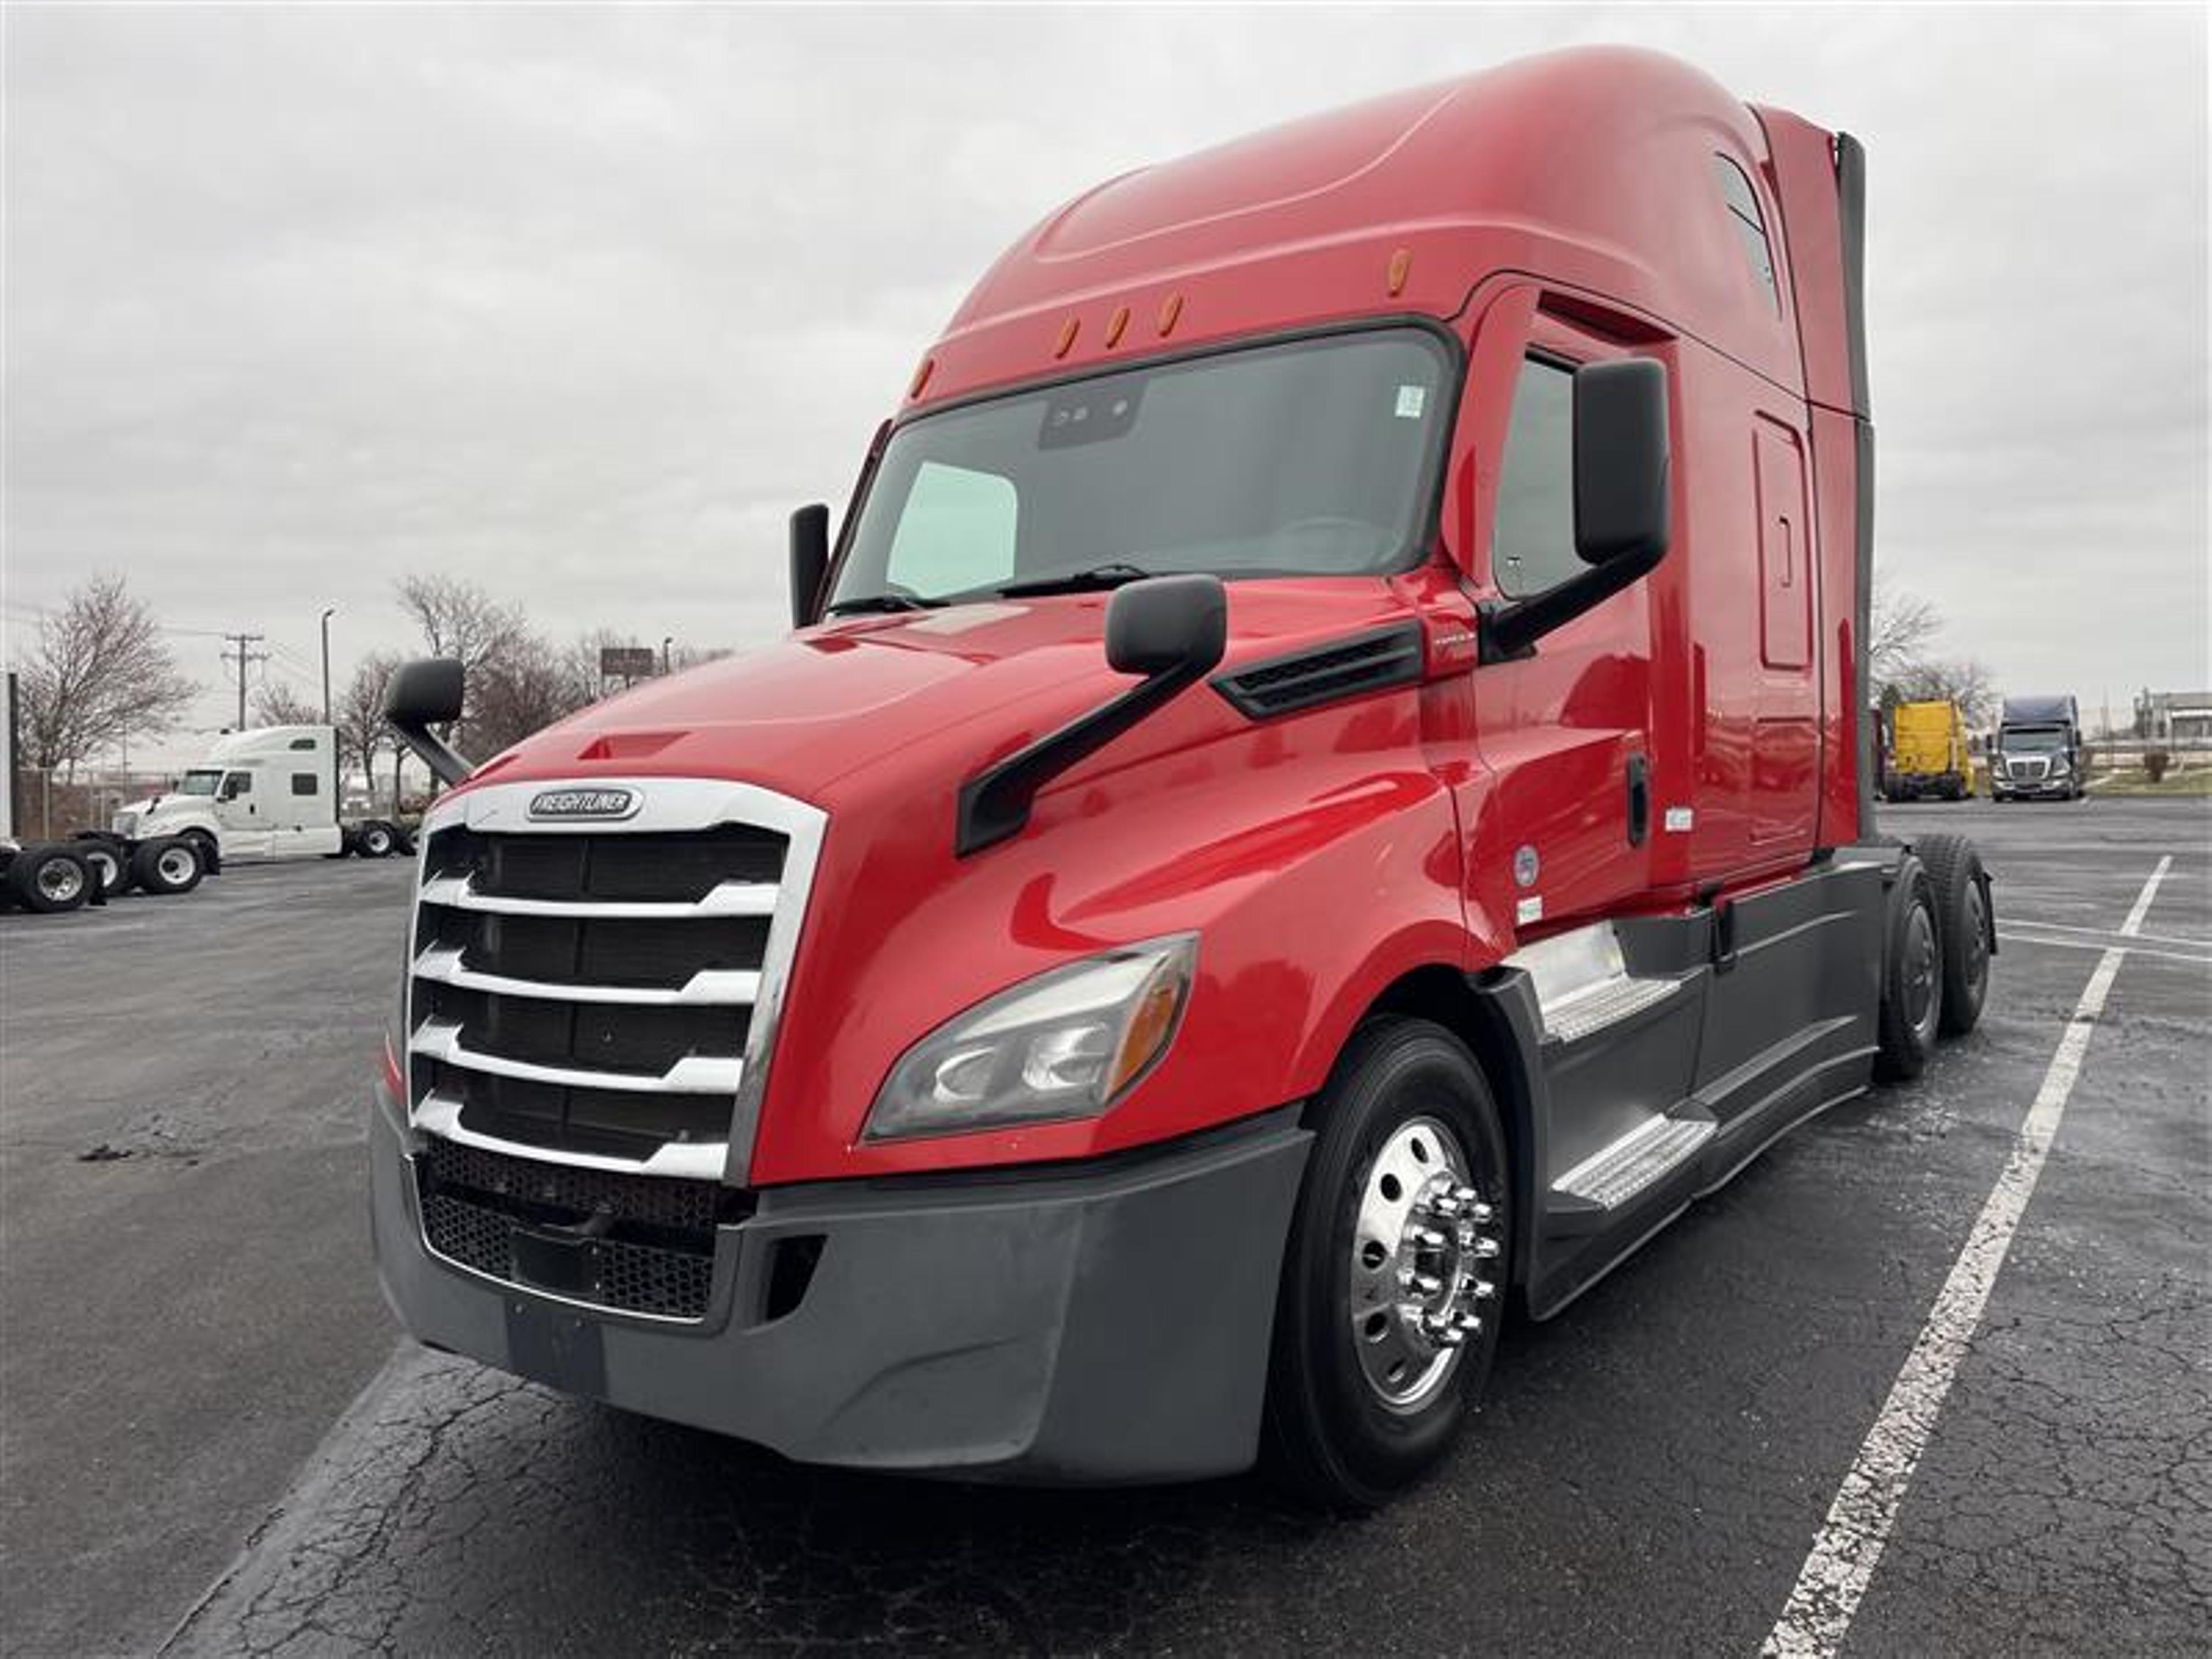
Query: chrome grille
x=2030 y=771
x=604 y=994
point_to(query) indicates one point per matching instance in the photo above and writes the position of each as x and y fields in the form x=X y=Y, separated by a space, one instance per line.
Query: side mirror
x=1623 y=507
x=1167 y=624
x=422 y=694
x=1172 y=630
x=1624 y=503
x=810 y=563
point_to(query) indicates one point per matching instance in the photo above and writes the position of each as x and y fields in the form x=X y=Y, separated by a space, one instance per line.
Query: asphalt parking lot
x=214 y=1441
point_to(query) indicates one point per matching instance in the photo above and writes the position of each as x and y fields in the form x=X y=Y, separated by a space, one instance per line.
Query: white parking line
x=1850 y=1543
x=2200 y=959
x=2107 y=932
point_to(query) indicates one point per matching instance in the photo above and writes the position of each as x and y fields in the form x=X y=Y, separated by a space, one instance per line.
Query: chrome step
x=1612 y=1176
x=1583 y=985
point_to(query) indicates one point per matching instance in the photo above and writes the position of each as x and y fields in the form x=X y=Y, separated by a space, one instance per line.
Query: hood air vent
x=1326 y=673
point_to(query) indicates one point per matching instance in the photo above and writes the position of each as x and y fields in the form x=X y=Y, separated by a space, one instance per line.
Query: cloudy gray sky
x=579 y=302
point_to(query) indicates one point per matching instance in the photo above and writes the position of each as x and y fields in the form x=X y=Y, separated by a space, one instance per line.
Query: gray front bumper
x=1105 y=1324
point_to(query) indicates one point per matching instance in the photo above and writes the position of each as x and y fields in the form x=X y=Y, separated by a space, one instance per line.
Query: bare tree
x=1961 y=679
x=362 y=734
x=98 y=676
x=1904 y=624
x=457 y=619
x=523 y=688
x=276 y=704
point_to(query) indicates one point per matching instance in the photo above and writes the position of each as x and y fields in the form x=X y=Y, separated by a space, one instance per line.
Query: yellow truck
x=1926 y=752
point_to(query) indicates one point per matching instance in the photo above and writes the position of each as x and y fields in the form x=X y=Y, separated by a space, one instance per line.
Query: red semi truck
x=1319 y=792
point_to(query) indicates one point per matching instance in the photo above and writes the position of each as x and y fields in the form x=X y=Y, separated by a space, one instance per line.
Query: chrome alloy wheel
x=1420 y=1248
x=60 y=880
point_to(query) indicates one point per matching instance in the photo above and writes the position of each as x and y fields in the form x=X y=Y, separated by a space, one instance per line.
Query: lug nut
x=1485 y=1249
x=1469 y=1323
x=1479 y=1213
x=1427 y=1238
x=1427 y=1284
x=1482 y=1290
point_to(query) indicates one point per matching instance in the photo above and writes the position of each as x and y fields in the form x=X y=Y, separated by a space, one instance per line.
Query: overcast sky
x=579 y=303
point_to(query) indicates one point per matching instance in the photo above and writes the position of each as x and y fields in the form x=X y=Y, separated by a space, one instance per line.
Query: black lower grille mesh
x=633 y=1243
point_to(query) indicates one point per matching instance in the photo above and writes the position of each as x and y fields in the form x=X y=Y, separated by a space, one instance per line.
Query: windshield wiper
x=883 y=602
x=1098 y=577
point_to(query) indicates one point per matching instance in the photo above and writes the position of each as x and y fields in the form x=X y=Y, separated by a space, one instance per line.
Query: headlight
x=1066 y=1044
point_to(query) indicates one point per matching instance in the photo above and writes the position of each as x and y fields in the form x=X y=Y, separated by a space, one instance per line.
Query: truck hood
x=824 y=702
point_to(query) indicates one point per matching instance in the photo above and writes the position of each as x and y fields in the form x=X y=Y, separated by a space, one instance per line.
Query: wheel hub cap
x=1421 y=1246
x=60 y=881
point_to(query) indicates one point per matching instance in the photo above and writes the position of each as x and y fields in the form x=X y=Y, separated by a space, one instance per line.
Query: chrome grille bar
x=694 y=1074
x=709 y=987
x=695 y=1160
x=732 y=898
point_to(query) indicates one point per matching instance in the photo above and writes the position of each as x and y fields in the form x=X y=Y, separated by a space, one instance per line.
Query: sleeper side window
x=1750 y=225
x=303 y=783
x=1534 y=547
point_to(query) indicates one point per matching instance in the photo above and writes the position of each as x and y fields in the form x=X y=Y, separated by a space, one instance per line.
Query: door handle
x=1639 y=799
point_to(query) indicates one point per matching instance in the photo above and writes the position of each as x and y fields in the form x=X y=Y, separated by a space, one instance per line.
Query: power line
x=242 y=656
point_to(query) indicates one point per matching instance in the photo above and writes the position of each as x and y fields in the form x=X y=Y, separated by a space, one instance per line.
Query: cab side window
x=1750 y=226
x=235 y=784
x=1534 y=548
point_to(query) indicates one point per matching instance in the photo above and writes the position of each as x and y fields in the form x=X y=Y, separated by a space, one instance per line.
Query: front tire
x=375 y=840
x=1387 y=1318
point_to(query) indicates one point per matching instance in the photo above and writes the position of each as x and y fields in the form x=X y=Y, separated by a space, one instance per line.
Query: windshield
x=1310 y=458
x=197 y=782
x=2032 y=739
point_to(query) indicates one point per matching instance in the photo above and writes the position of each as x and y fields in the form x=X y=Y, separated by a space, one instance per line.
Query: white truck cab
x=266 y=793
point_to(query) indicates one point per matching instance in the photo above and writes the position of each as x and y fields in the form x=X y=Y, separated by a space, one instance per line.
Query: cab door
x=239 y=816
x=1565 y=732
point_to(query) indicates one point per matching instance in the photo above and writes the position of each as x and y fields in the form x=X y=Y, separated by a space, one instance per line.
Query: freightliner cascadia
x=1318 y=794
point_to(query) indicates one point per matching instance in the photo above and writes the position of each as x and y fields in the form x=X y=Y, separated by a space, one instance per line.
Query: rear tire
x=171 y=866
x=110 y=864
x=1911 y=979
x=1963 y=919
x=1387 y=1314
x=375 y=840
x=49 y=880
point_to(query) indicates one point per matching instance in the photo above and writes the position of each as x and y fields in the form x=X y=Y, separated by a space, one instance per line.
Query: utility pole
x=664 y=644
x=328 y=613
x=244 y=656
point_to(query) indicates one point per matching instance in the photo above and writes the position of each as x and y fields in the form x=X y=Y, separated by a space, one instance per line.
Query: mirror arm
x=1510 y=629
x=994 y=804
x=433 y=752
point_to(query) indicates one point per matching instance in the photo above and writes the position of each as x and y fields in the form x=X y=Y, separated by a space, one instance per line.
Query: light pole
x=329 y=612
x=665 y=643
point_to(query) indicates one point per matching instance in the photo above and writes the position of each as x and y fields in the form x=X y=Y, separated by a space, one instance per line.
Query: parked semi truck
x=1320 y=792
x=267 y=793
x=1926 y=752
x=2036 y=754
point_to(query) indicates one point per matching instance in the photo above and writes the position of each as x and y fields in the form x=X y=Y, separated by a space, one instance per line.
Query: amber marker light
x=1067 y=331
x=921 y=378
x=1401 y=262
x=1170 y=308
x=1116 y=324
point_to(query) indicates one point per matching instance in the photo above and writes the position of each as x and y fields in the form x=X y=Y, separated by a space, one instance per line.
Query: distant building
x=2174 y=716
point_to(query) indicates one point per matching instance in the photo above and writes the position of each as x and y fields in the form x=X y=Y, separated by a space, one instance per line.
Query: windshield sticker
x=1411 y=400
